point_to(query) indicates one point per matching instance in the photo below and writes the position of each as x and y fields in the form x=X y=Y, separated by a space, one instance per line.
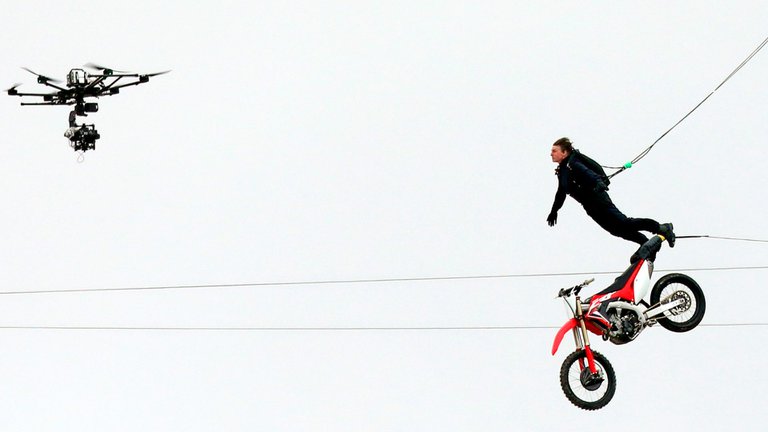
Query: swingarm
x=657 y=310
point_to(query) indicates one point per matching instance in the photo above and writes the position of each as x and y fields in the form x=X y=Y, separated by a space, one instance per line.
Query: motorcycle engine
x=625 y=326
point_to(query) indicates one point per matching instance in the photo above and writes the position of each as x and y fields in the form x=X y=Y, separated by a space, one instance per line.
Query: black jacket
x=578 y=181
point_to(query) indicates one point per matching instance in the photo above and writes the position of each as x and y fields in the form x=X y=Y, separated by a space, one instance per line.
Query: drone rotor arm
x=115 y=87
x=13 y=92
x=112 y=87
x=126 y=75
x=142 y=77
x=58 y=98
x=132 y=75
x=99 y=79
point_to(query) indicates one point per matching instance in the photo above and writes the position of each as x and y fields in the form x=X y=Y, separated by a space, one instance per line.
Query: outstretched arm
x=562 y=187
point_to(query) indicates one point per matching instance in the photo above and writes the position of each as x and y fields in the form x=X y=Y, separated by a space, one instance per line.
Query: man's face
x=558 y=154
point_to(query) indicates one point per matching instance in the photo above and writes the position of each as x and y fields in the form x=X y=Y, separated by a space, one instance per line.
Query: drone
x=80 y=86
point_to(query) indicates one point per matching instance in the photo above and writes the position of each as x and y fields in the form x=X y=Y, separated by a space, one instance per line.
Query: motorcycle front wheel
x=690 y=312
x=584 y=389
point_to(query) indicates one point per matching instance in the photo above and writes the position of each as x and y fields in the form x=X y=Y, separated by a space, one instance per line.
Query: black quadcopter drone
x=82 y=85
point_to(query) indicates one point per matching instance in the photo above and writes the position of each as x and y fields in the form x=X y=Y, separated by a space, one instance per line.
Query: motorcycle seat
x=617 y=284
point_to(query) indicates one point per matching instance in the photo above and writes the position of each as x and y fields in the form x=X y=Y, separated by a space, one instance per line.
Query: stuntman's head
x=561 y=149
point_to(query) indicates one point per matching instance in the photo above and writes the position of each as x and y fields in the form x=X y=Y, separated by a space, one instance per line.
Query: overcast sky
x=328 y=141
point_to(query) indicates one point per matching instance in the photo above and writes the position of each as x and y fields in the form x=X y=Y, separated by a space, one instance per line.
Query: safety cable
x=367 y=281
x=647 y=150
x=723 y=238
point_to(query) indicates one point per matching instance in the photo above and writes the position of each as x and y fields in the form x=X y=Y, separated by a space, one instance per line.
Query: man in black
x=589 y=188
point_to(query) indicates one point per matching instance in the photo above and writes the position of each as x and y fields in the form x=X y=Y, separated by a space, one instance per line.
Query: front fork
x=581 y=337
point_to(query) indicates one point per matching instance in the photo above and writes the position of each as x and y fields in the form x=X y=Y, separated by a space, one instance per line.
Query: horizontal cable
x=366 y=281
x=735 y=238
x=325 y=329
x=276 y=329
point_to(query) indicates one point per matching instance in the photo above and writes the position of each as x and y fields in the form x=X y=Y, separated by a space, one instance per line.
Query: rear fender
x=569 y=325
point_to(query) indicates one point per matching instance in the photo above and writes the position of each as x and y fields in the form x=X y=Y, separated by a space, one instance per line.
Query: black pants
x=600 y=208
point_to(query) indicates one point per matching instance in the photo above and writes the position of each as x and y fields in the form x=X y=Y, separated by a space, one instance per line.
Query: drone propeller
x=157 y=73
x=106 y=70
x=41 y=78
x=12 y=91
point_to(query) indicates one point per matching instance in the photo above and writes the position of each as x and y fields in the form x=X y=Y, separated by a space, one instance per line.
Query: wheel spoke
x=680 y=291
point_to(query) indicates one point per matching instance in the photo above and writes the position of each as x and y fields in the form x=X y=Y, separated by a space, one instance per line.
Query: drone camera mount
x=83 y=138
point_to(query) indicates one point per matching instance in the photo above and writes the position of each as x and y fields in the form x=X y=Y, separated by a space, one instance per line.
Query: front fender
x=569 y=325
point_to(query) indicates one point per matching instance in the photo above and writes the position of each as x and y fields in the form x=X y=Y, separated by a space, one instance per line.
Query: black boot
x=647 y=251
x=668 y=233
x=648 y=255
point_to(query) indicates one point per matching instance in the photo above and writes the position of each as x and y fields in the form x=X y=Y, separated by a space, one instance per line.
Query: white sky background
x=363 y=140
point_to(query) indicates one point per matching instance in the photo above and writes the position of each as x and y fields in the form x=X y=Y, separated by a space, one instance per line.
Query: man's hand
x=552 y=218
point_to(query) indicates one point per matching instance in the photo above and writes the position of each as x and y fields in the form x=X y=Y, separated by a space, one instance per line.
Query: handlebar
x=565 y=292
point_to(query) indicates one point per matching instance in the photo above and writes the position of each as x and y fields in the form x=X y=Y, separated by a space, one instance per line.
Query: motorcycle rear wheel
x=688 y=315
x=582 y=388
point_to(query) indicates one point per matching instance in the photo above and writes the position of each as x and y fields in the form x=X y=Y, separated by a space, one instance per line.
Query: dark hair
x=564 y=144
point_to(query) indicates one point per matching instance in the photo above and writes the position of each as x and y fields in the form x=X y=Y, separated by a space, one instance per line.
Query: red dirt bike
x=619 y=314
